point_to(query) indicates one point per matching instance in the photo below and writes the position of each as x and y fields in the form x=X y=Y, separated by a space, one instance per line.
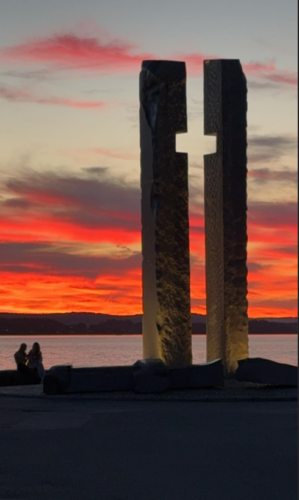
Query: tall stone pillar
x=225 y=108
x=166 y=327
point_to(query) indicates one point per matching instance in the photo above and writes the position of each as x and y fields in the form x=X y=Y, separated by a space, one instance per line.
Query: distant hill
x=279 y=320
x=97 y=323
x=72 y=318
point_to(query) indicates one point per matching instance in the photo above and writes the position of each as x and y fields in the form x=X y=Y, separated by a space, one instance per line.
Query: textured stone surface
x=75 y=380
x=57 y=379
x=225 y=107
x=165 y=226
x=145 y=376
x=150 y=376
x=152 y=366
x=197 y=376
x=266 y=371
x=14 y=377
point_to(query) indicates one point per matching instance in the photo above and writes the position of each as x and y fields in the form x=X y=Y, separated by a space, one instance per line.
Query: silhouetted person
x=21 y=359
x=35 y=360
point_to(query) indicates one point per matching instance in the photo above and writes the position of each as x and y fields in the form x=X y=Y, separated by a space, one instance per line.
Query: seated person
x=21 y=359
x=35 y=360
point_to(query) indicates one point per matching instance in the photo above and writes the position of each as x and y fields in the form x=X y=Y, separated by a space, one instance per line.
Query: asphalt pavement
x=60 y=449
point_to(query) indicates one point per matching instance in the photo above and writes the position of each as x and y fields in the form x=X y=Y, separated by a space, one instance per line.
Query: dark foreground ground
x=116 y=450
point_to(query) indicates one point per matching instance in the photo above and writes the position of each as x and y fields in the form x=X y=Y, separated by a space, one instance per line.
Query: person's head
x=36 y=348
x=23 y=347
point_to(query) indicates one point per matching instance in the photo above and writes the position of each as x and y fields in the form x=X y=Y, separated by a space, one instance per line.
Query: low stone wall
x=266 y=371
x=152 y=376
x=14 y=377
x=144 y=377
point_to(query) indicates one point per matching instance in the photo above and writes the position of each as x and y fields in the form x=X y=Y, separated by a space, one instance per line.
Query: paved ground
x=233 y=391
x=67 y=448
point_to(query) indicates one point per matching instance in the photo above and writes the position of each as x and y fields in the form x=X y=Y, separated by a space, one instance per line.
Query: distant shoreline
x=101 y=324
x=70 y=334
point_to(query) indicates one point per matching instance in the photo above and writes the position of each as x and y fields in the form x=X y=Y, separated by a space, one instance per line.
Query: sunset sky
x=70 y=222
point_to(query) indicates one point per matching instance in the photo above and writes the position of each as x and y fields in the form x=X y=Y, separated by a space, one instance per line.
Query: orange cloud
x=53 y=225
x=45 y=293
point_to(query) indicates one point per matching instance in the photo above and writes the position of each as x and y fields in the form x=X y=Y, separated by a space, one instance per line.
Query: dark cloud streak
x=264 y=175
x=262 y=149
x=42 y=258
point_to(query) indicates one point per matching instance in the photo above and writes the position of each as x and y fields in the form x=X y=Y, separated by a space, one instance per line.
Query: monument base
x=68 y=380
x=14 y=377
x=198 y=376
x=144 y=377
x=266 y=371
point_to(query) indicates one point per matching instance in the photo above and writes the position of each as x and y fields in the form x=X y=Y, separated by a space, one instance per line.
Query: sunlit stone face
x=164 y=205
x=225 y=107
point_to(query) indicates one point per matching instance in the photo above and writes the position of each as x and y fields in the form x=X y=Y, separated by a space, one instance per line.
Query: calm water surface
x=104 y=350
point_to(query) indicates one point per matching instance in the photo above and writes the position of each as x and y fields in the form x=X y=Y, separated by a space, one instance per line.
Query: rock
x=198 y=376
x=150 y=376
x=225 y=108
x=166 y=326
x=103 y=379
x=65 y=379
x=152 y=366
x=14 y=377
x=57 y=379
x=153 y=376
x=266 y=371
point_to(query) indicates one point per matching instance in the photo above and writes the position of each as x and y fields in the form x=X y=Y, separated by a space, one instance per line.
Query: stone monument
x=166 y=325
x=165 y=246
x=225 y=108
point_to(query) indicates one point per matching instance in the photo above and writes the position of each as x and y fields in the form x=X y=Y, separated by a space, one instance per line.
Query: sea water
x=105 y=350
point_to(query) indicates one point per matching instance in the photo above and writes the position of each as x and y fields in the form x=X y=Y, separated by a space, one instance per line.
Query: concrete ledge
x=14 y=377
x=265 y=371
x=153 y=377
x=145 y=376
x=57 y=379
x=198 y=376
x=66 y=380
x=150 y=376
x=151 y=366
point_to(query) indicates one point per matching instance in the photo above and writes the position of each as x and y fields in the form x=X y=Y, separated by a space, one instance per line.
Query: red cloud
x=69 y=52
x=18 y=95
x=73 y=52
x=47 y=227
x=288 y=77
